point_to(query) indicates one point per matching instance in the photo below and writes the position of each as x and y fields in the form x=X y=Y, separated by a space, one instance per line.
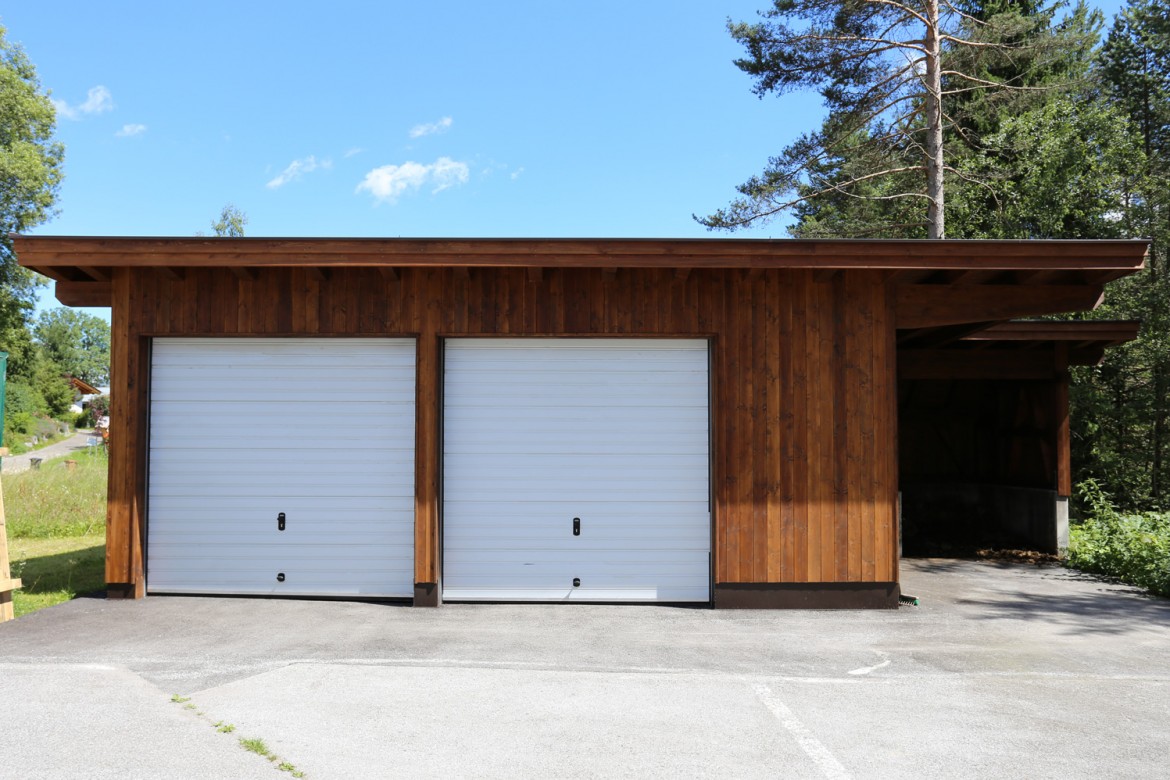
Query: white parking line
x=812 y=746
x=867 y=669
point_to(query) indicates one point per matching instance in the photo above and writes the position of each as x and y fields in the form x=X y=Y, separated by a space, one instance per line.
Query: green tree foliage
x=77 y=342
x=1044 y=158
x=49 y=380
x=892 y=74
x=30 y=173
x=231 y=222
x=1122 y=431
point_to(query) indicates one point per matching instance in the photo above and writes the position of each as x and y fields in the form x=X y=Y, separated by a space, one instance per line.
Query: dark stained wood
x=241 y=272
x=318 y=274
x=1063 y=438
x=85 y=293
x=170 y=272
x=97 y=274
x=929 y=306
x=971 y=364
x=804 y=479
x=1108 y=257
x=1110 y=332
x=389 y=273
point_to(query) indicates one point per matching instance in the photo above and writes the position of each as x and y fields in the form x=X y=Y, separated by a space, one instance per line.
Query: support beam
x=85 y=293
x=319 y=274
x=1063 y=434
x=171 y=273
x=245 y=273
x=427 y=463
x=938 y=337
x=958 y=364
x=97 y=274
x=389 y=273
x=932 y=306
x=129 y=377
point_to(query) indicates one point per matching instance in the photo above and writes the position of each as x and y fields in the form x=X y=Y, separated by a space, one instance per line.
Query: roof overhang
x=946 y=290
x=1033 y=349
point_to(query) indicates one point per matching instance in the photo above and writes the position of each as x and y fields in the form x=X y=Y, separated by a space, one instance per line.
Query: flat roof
x=124 y=251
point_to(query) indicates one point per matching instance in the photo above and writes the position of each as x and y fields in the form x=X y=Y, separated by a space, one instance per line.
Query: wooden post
x=1063 y=434
x=7 y=584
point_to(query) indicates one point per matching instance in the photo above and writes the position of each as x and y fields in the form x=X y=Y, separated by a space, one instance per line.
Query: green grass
x=15 y=441
x=56 y=529
x=56 y=570
x=54 y=503
x=257 y=746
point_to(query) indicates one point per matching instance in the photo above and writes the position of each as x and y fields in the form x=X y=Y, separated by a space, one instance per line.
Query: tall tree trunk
x=934 y=124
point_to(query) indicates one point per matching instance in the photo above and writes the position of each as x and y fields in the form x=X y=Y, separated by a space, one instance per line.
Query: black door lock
x=576 y=582
x=280 y=577
x=576 y=526
x=280 y=522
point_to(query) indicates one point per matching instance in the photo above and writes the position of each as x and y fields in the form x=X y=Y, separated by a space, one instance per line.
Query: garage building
x=718 y=422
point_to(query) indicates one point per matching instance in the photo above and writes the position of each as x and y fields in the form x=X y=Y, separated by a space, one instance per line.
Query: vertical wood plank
x=885 y=432
x=835 y=304
x=119 y=498
x=428 y=408
x=1063 y=442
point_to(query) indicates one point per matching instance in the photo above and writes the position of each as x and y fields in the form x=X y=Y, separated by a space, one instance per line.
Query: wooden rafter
x=931 y=306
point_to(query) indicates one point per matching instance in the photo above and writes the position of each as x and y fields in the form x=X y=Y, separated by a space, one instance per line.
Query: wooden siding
x=804 y=402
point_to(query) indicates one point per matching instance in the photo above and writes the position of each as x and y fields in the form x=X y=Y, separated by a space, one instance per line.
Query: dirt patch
x=1020 y=556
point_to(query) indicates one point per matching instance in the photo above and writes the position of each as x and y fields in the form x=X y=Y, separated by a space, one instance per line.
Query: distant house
x=83 y=393
x=724 y=422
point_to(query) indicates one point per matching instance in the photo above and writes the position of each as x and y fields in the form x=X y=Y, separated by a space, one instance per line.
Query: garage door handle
x=280 y=522
x=576 y=526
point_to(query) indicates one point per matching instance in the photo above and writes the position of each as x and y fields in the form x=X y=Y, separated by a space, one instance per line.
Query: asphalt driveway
x=1004 y=670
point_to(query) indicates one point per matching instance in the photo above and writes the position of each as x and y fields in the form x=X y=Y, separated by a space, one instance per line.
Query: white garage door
x=576 y=469
x=245 y=431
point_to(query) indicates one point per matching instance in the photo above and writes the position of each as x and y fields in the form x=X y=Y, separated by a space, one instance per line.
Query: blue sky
x=403 y=118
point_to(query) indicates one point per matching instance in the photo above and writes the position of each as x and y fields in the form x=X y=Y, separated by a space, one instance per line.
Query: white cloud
x=516 y=173
x=353 y=151
x=97 y=101
x=389 y=182
x=430 y=128
x=298 y=168
x=128 y=131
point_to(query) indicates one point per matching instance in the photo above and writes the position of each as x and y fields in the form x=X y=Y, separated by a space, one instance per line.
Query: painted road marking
x=867 y=669
x=828 y=764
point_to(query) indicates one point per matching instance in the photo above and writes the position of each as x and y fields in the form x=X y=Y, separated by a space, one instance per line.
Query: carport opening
x=977 y=460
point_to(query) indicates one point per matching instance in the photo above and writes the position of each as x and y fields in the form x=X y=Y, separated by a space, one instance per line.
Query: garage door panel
x=539 y=431
x=237 y=438
x=211 y=506
x=179 y=474
x=274 y=460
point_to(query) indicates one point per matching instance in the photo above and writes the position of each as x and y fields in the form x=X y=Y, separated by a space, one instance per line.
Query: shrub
x=23 y=399
x=99 y=406
x=21 y=423
x=1134 y=548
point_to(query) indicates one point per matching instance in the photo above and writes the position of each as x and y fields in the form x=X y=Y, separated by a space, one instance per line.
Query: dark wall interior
x=977 y=461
